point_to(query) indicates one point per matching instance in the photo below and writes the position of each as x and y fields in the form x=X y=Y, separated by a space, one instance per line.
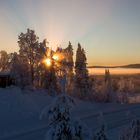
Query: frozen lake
x=101 y=71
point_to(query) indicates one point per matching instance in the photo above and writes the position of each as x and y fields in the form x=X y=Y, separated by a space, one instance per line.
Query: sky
x=108 y=30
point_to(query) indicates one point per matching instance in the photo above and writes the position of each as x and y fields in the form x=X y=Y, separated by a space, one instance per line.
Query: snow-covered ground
x=20 y=114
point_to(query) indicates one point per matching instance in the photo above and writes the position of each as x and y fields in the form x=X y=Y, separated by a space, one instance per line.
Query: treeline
x=28 y=66
x=37 y=66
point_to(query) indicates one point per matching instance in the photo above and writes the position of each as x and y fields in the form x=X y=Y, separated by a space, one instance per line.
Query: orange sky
x=108 y=30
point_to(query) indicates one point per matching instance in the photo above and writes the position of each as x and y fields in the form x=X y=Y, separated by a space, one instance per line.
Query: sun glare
x=56 y=57
x=48 y=62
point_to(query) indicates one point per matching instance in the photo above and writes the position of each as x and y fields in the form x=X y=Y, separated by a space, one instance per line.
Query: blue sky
x=109 y=30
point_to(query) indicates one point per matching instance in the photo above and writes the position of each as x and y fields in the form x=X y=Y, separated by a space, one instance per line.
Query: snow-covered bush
x=61 y=124
x=123 y=97
x=101 y=134
x=133 y=132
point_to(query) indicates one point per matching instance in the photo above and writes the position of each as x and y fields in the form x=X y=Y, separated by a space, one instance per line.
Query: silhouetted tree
x=108 y=90
x=40 y=68
x=3 y=60
x=19 y=70
x=82 y=84
x=69 y=67
x=28 y=48
x=15 y=66
x=51 y=79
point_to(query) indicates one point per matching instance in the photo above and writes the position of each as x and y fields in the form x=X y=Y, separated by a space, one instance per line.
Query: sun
x=48 y=62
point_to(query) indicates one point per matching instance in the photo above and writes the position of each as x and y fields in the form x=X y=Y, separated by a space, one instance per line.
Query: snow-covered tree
x=40 y=67
x=15 y=67
x=62 y=125
x=123 y=90
x=133 y=132
x=19 y=70
x=28 y=48
x=82 y=83
x=125 y=85
x=108 y=90
x=122 y=85
x=101 y=134
x=3 y=60
x=68 y=53
x=51 y=80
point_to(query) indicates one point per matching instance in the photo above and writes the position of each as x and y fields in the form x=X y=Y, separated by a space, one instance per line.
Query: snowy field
x=20 y=114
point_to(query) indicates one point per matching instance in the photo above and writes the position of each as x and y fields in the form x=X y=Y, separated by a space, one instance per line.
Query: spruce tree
x=108 y=90
x=39 y=67
x=51 y=82
x=68 y=52
x=41 y=70
x=61 y=124
x=82 y=84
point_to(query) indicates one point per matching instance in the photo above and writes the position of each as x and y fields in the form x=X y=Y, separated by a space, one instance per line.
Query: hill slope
x=123 y=66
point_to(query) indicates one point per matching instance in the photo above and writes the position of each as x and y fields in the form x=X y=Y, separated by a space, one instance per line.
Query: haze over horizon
x=108 y=30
